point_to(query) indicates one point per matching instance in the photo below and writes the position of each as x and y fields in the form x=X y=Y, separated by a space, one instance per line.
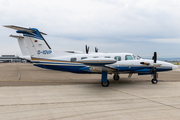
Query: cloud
x=166 y=40
x=130 y=24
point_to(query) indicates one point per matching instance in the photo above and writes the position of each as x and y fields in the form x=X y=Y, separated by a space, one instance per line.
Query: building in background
x=10 y=59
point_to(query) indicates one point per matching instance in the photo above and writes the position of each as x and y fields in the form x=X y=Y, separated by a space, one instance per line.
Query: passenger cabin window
x=117 y=58
x=83 y=58
x=107 y=57
x=128 y=57
x=73 y=59
x=95 y=57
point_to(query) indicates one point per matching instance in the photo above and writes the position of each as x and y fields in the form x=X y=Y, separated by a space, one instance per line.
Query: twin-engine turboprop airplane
x=34 y=45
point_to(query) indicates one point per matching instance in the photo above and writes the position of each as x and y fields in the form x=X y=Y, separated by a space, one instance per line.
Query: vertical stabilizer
x=33 y=40
x=36 y=44
x=22 y=45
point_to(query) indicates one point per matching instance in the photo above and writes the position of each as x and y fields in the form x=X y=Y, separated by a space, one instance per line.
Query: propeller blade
x=155 y=57
x=87 y=49
x=96 y=49
x=155 y=65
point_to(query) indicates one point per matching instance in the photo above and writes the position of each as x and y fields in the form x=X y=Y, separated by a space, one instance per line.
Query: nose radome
x=174 y=67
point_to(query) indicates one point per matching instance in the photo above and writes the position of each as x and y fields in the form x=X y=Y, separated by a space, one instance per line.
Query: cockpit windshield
x=128 y=57
x=137 y=57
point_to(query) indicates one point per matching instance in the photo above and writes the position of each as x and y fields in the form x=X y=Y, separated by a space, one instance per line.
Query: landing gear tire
x=116 y=77
x=105 y=84
x=154 y=81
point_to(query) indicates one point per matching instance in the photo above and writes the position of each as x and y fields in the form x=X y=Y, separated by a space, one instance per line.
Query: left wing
x=98 y=64
x=97 y=61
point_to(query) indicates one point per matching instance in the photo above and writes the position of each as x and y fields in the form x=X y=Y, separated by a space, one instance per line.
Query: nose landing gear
x=154 y=81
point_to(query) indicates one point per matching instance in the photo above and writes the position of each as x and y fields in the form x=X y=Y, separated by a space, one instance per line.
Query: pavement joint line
x=19 y=71
x=103 y=111
x=90 y=112
x=146 y=99
x=70 y=102
x=86 y=82
x=74 y=80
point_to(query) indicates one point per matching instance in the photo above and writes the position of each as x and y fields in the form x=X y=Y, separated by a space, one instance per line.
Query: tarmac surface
x=31 y=93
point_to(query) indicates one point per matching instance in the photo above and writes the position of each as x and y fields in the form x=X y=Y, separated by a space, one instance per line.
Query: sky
x=114 y=26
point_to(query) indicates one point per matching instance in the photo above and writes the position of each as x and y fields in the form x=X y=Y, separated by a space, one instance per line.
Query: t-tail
x=32 y=42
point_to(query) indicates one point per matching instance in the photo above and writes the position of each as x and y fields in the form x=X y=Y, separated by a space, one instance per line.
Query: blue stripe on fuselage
x=74 y=69
x=80 y=68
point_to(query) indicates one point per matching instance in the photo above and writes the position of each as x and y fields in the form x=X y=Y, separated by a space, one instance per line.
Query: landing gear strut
x=154 y=80
x=116 y=77
x=104 y=81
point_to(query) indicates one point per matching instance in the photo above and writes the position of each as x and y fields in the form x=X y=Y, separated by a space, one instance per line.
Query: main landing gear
x=105 y=84
x=104 y=81
x=116 y=77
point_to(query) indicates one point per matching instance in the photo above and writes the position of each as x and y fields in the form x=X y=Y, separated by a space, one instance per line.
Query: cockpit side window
x=117 y=58
x=73 y=59
x=128 y=57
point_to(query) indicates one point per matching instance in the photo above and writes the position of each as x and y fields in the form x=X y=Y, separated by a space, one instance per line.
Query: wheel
x=105 y=84
x=116 y=77
x=154 y=81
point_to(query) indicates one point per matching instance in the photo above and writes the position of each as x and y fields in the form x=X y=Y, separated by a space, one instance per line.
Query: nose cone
x=174 y=67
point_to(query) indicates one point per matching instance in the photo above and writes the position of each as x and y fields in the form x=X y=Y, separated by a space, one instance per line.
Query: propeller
x=87 y=49
x=96 y=49
x=155 y=57
x=155 y=71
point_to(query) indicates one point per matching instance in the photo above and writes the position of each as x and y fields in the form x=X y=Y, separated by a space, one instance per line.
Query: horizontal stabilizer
x=16 y=36
x=22 y=29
